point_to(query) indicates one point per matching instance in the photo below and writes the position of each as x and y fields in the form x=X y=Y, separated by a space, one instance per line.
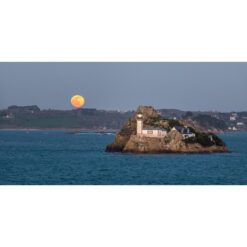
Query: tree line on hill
x=88 y=118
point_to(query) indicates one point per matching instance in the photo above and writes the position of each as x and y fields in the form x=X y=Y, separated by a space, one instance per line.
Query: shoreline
x=68 y=129
x=114 y=130
x=167 y=152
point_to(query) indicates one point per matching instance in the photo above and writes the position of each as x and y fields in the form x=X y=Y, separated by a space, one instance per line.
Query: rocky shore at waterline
x=129 y=141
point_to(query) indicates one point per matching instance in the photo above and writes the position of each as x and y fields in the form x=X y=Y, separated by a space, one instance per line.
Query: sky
x=125 y=86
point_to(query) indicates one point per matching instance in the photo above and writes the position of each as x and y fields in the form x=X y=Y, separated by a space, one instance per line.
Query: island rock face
x=127 y=140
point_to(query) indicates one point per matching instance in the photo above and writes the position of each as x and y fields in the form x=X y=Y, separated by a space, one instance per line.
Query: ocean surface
x=56 y=158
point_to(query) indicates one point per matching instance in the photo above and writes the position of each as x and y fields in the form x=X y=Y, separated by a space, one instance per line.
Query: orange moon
x=77 y=101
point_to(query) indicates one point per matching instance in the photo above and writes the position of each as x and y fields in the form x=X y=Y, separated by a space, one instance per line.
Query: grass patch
x=58 y=122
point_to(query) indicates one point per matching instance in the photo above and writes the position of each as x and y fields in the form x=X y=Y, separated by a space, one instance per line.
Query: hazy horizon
x=128 y=110
x=124 y=86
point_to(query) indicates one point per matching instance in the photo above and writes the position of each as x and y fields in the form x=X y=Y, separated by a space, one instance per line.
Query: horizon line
x=118 y=110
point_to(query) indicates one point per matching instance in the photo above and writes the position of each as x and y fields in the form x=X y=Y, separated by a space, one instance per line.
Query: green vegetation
x=58 y=122
x=24 y=108
x=90 y=118
x=188 y=114
x=33 y=117
x=217 y=140
x=172 y=123
x=205 y=139
x=208 y=121
x=154 y=122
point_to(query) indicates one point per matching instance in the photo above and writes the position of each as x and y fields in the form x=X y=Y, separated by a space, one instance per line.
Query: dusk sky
x=124 y=86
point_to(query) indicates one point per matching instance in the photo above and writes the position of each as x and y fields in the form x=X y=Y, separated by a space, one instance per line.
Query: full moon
x=77 y=101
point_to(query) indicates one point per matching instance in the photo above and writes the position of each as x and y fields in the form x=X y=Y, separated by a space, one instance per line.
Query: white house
x=9 y=116
x=232 y=118
x=233 y=128
x=149 y=132
x=154 y=132
x=185 y=131
x=240 y=124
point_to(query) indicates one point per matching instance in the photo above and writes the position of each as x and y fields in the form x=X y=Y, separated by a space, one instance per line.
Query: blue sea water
x=56 y=158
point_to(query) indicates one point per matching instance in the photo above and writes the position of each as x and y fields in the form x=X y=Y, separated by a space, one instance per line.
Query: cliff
x=127 y=141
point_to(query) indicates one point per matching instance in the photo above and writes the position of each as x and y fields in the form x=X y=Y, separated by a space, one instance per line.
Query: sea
x=52 y=157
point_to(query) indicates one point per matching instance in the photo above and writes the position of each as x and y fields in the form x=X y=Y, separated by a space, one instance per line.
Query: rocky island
x=149 y=132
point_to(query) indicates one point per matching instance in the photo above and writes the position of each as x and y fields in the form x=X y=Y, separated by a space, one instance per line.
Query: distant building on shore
x=232 y=128
x=9 y=116
x=240 y=124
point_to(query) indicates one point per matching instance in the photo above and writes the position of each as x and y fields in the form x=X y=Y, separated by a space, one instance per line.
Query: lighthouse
x=139 y=124
x=148 y=132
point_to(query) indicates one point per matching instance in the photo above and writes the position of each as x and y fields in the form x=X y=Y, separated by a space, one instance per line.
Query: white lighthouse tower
x=139 y=124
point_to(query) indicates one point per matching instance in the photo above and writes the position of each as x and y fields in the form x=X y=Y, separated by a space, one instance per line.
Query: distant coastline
x=68 y=129
x=32 y=117
x=105 y=130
